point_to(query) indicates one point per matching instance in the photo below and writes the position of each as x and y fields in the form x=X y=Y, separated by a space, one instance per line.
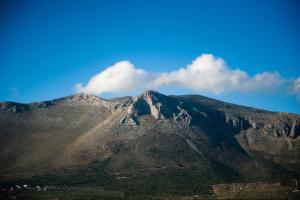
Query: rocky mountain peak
x=79 y=97
x=151 y=92
x=151 y=102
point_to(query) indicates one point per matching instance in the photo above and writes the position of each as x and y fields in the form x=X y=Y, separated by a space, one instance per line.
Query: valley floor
x=221 y=191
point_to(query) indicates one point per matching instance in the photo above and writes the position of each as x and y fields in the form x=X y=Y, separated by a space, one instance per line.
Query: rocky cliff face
x=150 y=131
x=150 y=102
x=162 y=107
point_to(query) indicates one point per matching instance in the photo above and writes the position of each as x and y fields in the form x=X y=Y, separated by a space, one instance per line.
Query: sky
x=244 y=52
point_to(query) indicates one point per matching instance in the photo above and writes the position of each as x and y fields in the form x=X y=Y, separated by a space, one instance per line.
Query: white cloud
x=210 y=74
x=295 y=88
x=120 y=77
x=206 y=73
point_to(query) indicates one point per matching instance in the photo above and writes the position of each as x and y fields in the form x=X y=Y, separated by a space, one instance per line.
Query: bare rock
x=153 y=103
x=129 y=120
x=295 y=130
x=183 y=116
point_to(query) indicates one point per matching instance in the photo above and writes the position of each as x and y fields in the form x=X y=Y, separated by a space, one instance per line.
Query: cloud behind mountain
x=207 y=73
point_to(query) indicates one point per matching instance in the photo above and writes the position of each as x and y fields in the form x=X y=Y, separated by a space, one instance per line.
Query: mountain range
x=147 y=143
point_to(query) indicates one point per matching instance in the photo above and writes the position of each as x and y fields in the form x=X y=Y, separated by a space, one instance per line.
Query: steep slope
x=190 y=138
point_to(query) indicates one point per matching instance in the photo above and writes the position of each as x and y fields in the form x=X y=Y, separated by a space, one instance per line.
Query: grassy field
x=256 y=190
x=220 y=191
x=67 y=193
x=78 y=193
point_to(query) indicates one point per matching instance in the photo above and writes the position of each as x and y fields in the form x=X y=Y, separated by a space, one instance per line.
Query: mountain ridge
x=84 y=96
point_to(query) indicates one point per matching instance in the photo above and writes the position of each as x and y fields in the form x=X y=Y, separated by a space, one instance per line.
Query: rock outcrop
x=153 y=103
x=129 y=120
x=162 y=107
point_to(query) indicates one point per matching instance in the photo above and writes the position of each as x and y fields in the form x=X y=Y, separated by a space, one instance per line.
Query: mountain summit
x=146 y=137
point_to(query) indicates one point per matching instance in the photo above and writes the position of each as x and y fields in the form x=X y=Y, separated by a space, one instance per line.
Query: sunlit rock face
x=153 y=103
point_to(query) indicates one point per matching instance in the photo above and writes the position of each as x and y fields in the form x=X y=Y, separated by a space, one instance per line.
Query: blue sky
x=46 y=47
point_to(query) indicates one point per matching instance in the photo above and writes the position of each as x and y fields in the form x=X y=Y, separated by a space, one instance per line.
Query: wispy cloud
x=206 y=73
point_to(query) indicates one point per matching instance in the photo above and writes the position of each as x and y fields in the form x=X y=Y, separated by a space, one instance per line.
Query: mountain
x=147 y=143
